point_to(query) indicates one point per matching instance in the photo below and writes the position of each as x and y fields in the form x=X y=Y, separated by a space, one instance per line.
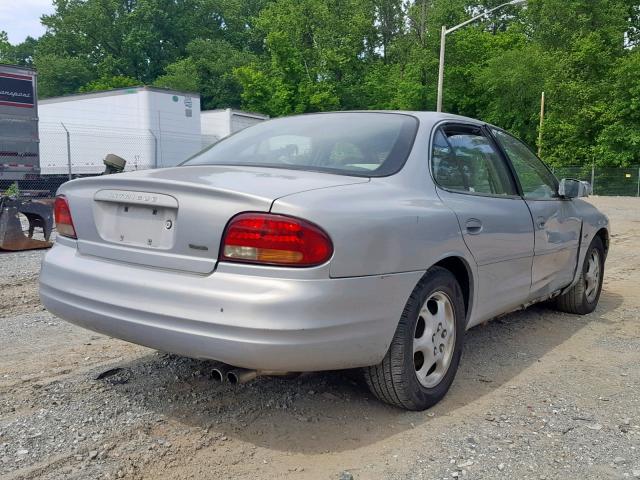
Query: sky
x=21 y=18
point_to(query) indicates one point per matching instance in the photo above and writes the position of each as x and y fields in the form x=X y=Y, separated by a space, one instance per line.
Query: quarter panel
x=380 y=228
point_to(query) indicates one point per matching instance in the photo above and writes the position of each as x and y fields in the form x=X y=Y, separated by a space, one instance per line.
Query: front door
x=475 y=181
x=556 y=221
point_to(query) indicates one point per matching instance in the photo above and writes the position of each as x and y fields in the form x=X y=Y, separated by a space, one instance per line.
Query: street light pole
x=443 y=38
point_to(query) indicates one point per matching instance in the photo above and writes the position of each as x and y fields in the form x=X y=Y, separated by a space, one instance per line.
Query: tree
x=5 y=48
x=510 y=87
x=584 y=47
x=181 y=75
x=313 y=49
x=61 y=75
x=209 y=69
x=108 y=83
x=618 y=142
x=137 y=39
x=24 y=53
x=389 y=17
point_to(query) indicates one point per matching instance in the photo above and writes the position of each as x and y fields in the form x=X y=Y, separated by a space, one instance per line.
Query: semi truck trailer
x=149 y=127
x=19 y=139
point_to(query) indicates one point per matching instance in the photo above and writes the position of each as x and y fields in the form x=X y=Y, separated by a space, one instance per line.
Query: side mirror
x=572 y=188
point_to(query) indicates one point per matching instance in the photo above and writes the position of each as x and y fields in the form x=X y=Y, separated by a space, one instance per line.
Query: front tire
x=423 y=358
x=583 y=297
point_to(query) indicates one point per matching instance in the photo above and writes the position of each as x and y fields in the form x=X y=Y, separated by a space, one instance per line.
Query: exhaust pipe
x=219 y=372
x=238 y=376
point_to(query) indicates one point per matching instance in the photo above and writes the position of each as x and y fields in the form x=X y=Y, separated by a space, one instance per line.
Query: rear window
x=354 y=143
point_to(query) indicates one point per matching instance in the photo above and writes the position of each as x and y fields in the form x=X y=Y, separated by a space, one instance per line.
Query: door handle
x=473 y=226
x=541 y=222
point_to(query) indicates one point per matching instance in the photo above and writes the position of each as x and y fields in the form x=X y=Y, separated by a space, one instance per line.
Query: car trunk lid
x=174 y=218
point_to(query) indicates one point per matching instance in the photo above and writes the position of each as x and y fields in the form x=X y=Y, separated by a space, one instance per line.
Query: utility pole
x=541 y=126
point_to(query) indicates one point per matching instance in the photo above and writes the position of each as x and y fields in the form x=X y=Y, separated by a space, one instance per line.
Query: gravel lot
x=540 y=395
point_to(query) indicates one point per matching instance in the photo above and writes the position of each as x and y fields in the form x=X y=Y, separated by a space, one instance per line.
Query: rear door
x=476 y=183
x=556 y=220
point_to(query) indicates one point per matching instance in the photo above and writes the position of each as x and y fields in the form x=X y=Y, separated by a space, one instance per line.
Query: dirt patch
x=19 y=297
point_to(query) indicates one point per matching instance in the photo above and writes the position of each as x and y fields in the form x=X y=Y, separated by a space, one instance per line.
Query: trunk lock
x=168 y=224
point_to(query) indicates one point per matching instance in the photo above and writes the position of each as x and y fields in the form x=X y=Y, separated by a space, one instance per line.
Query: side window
x=464 y=159
x=446 y=169
x=538 y=183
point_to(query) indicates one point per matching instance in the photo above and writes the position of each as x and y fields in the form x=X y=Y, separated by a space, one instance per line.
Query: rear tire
x=583 y=297
x=423 y=358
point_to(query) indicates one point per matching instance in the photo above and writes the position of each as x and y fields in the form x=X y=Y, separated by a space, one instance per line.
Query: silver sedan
x=328 y=241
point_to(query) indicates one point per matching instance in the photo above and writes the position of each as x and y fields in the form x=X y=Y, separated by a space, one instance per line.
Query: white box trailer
x=217 y=124
x=149 y=127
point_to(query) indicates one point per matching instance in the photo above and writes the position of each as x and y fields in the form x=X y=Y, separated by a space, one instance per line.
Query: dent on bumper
x=244 y=320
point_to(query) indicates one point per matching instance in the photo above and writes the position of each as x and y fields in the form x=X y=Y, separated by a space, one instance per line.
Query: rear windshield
x=354 y=143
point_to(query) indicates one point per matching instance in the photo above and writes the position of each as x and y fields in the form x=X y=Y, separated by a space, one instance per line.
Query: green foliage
x=509 y=89
x=21 y=54
x=181 y=75
x=5 y=48
x=108 y=83
x=13 y=190
x=208 y=69
x=136 y=39
x=282 y=57
x=61 y=74
x=312 y=55
x=618 y=141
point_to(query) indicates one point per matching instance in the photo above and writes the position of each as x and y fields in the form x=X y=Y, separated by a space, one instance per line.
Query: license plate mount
x=135 y=222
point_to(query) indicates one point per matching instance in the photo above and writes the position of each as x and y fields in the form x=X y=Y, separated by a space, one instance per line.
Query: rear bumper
x=244 y=320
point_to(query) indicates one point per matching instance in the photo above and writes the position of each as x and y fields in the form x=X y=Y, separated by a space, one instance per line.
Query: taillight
x=270 y=239
x=62 y=214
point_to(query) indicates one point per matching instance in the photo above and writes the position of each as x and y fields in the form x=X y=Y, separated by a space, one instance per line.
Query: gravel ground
x=540 y=395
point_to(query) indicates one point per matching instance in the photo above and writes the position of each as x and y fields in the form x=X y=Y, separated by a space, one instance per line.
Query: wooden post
x=541 y=125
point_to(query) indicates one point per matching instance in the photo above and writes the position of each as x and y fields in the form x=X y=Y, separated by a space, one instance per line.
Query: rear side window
x=464 y=159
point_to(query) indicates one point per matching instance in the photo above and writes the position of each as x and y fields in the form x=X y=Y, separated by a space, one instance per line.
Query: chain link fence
x=606 y=181
x=74 y=151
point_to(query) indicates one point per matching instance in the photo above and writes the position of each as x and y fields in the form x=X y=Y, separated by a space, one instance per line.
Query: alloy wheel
x=592 y=276
x=434 y=339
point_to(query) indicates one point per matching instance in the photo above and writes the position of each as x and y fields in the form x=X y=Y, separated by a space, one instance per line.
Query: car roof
x=425 y=117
